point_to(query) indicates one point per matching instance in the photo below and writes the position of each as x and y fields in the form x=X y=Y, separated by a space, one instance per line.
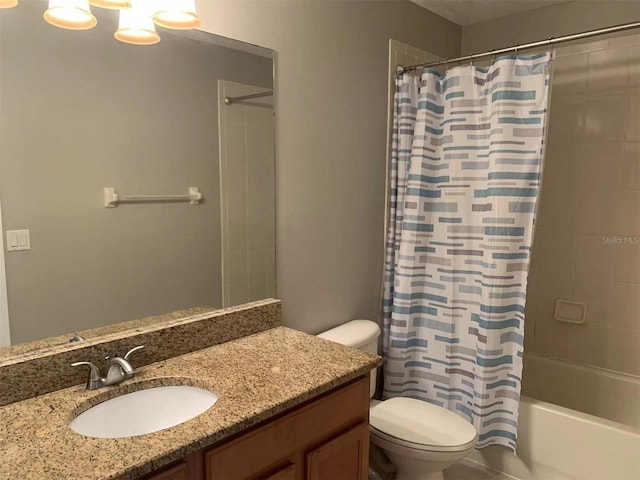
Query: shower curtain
x=465 y=173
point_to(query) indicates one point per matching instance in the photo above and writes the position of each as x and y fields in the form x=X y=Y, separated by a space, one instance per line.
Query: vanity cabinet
x=176 y=472
x=189 y=468
x=286 y=473
x=325 y=439
x=346 y=456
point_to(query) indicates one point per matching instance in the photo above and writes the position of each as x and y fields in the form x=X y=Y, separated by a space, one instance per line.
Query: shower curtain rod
x=551 y=41
x=230 y=100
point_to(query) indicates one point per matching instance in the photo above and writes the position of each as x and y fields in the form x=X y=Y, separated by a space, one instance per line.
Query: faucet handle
x=94 y=372
x=134 y=349
x=95 y=377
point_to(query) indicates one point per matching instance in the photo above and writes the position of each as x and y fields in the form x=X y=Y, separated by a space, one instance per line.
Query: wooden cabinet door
x=346 y=457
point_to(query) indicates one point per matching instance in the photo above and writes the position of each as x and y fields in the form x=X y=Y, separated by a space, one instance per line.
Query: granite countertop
x=256 y=377
x=61 y=341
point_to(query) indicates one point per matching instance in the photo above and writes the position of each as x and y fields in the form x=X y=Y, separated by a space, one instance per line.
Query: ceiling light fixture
x=138 y=18
x=8 y=3
x=177 y=14
x=70 y=14
x=111 y=4
x=136 y=25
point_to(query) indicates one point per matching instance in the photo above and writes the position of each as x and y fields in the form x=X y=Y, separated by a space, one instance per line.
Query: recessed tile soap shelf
x=569 y=311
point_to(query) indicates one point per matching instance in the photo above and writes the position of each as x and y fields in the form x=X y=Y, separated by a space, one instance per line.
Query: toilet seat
x=419 y=425
x=419 y=447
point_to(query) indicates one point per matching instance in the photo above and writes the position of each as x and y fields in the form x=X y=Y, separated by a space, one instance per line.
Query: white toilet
x=420 y=439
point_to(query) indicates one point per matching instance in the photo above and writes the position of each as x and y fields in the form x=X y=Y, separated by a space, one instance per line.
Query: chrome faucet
x=117 y=370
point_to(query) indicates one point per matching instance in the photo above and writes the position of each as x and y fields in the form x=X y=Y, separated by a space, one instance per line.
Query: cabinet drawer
x=189 y=468
x=285 y=440
x=179 y=471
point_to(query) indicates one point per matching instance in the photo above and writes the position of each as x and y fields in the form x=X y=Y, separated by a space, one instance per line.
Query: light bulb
x=8 y=3
x=111 y=4
x=70 y=14
x=136 y=25
x=177 y=14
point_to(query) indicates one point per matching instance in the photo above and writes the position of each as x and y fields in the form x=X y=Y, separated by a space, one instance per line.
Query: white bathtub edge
x=561 y=444
x=505 y=462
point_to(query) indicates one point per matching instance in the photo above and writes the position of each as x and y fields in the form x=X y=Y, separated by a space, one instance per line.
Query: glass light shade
x=111 y=4
x=136 y=25
x=70 y=14
x=8 y=3
x=177 y=14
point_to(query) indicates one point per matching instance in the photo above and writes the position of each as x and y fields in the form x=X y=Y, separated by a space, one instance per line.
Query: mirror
x=81 y=112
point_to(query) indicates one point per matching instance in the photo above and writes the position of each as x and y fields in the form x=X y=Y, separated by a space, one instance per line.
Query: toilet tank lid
x=355 y=333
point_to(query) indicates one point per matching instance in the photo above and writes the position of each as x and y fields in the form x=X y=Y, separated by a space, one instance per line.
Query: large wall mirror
x=81 y=112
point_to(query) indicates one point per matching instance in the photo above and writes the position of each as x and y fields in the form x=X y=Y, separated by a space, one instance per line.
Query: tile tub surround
x=587 y=242
x=256 y=378
x=40 y=372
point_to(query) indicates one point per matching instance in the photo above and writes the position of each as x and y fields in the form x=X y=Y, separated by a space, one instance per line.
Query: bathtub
x=557 y=443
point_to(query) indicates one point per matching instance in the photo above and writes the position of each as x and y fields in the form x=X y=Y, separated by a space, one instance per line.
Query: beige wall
x=81 y=111
x=401 y=54
x=331 y=117
x=542 y=23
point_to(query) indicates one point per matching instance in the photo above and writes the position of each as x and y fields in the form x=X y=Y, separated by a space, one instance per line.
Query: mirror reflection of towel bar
x=112 y=199
x=230 y=100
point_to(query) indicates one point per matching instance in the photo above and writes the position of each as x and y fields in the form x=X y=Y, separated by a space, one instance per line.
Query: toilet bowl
x=420 y=439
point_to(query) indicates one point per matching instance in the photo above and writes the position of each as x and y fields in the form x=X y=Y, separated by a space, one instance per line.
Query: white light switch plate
x=18 y=240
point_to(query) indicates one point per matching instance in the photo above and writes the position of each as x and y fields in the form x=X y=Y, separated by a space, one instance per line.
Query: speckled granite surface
x=45 y=345
x=40 y=372
x=256 y=377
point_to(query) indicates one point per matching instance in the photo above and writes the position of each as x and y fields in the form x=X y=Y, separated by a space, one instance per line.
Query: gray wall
x=554 y=21
x=80 y=111
x=331 y=120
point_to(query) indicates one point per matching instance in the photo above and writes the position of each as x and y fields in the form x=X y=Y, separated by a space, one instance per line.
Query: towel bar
x=112 y=199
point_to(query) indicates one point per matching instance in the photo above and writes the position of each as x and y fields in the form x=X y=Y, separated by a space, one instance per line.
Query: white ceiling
x=467 y=12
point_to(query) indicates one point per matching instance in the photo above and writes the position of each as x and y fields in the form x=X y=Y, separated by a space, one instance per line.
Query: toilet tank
x=360 y=334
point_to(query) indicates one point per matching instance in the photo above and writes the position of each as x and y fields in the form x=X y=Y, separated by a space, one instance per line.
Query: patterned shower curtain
x=465 y=174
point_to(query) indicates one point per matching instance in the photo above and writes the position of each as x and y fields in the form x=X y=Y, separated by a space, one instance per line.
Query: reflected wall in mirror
x=80 y=111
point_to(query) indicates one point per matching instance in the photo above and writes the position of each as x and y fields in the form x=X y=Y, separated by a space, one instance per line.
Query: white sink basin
x=144 y=411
